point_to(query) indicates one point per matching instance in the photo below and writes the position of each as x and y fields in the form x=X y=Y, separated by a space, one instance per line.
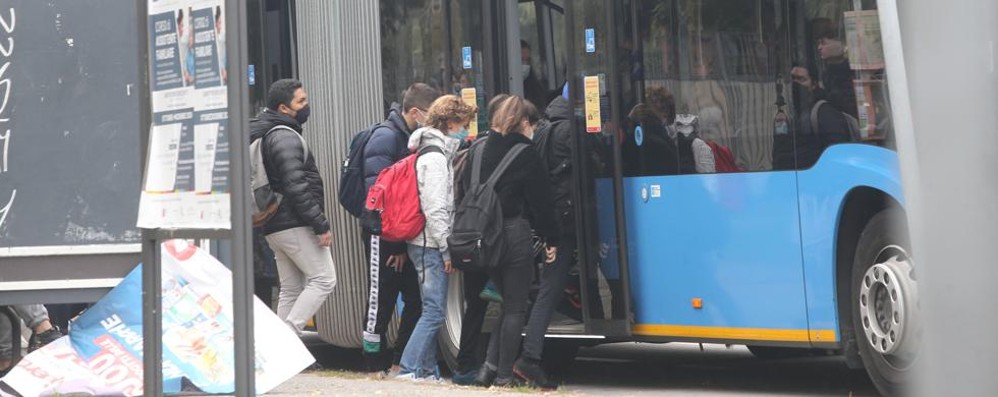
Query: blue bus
x=796 y=244
x=735 y=174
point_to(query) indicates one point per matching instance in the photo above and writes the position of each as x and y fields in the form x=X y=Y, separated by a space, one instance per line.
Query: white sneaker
x=411 y=377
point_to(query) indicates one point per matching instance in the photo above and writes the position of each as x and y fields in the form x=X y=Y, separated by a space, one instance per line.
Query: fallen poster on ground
x=103 y=353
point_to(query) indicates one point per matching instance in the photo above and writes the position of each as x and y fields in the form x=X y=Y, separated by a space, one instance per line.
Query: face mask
x=302 y=116
x=526 y=70
x=461 y=134
x=781 y=128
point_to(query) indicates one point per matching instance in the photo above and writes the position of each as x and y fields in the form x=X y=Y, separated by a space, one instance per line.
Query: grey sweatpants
x=306 y=272
x=32 y=315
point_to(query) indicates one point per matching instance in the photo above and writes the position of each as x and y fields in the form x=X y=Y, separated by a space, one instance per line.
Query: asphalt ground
x=622 y=369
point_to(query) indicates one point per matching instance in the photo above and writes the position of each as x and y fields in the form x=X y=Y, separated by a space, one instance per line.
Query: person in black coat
x=299 y=232
x=395 y=272
x=521 y=191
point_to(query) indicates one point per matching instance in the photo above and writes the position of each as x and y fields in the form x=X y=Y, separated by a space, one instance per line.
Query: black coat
x=521 y=189
x=292 y=174
x=559 y=163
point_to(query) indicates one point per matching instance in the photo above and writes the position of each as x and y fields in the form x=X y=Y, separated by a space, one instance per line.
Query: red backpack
x=392 y=209
x=724 y=161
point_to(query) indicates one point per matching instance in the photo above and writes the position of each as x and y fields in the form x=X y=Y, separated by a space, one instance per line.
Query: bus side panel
x=731 y=240
x=823 y=190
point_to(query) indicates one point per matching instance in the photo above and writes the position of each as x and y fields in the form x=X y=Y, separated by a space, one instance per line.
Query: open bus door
x=602 y=236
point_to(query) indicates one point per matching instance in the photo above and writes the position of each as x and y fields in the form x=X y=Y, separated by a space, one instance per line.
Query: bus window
x=839 y=85
x=467 y=60
x=542 y=45
x=751 y=80
x=412 y=43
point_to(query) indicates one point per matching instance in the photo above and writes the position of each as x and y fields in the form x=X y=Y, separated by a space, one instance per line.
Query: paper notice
x=593 y=118
x=470 y=96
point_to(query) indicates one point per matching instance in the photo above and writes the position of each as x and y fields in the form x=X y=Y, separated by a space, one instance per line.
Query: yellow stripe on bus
x=767 y=334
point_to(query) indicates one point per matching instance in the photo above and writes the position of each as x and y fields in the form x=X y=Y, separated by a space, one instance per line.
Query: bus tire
x=884 y=302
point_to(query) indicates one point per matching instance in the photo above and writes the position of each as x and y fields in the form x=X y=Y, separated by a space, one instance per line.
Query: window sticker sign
x=466 y=57
x=590 y=40
x=591 y=90
x=470 y=96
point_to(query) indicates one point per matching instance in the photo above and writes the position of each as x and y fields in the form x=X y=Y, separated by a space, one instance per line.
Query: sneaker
x=486 y=376
x=531 y=372
x=432 y=379
x=410 y=377
x=38 y=340
x=490 y=294
x=506 y=383
x=466 y=378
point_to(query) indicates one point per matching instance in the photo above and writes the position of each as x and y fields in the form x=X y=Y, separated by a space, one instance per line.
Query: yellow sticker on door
x=470 y=96
x=591 y=89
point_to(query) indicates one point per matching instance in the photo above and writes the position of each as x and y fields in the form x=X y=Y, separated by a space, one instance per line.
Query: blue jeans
x=420 y=355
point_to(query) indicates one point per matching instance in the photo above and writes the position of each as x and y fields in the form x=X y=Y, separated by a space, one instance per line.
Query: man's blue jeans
x=420 y=355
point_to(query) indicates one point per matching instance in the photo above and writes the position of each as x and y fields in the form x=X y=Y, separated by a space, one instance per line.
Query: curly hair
x=449 y=109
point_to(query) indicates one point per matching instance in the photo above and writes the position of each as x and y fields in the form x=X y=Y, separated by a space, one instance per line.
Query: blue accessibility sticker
x=466 y=57
x=590 y=40
x=639 y=135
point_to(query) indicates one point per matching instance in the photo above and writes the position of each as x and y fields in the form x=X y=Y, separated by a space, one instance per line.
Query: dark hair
x=180 y=17
x=218 y=12
x=662 y=101
x=419 y=96
x=524 y=44
x=533 y=116
x=494 y=105
x=824 y=28
x=282 y=92
x=449 y=109
x=510 y=115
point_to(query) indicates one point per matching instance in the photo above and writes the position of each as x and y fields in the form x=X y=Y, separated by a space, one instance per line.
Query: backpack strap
x=504 y=164
x=476 y=163
x=814 y=115
x=429 y=149
x=304 y=145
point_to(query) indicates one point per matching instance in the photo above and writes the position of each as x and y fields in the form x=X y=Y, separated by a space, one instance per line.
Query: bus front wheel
x=884 y=301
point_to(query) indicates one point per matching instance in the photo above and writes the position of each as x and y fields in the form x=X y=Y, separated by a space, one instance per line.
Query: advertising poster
x=103 y=353
x=866 y=49
x=187 y=166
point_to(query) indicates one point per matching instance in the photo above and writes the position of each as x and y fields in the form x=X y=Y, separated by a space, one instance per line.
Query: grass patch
x=338 y=373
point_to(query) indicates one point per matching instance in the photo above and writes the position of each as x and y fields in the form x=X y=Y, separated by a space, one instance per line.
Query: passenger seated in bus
x=521 y=190
x=816 y=126
x=695 y=155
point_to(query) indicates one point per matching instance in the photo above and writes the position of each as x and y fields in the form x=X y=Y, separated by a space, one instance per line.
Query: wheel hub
x=887 y=301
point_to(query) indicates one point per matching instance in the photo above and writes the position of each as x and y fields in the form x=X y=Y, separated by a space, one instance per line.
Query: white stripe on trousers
x=370 y=335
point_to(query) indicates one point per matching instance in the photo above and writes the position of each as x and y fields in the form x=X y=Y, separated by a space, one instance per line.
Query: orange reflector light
x=697 y=303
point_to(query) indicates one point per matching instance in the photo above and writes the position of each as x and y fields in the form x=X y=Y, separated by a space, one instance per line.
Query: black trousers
x=513 y=277
x=384 y=285
x=468 y=357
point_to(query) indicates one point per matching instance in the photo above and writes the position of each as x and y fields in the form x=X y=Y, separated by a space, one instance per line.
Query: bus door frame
x=615 y=327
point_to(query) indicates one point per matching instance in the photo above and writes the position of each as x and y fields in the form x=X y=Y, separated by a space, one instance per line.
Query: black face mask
x=302 y=116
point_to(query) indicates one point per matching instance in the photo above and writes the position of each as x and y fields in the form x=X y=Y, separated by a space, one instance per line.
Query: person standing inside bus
x=299 y=232
x=554 y=276
x=521 y=190
x=447 y=117
x=395 y=272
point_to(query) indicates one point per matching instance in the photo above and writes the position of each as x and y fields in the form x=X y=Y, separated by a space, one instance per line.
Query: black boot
x=486 y=376
x=532 y=373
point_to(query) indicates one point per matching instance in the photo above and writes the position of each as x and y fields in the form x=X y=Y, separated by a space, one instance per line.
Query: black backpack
x=476 y=236
x=353 y=189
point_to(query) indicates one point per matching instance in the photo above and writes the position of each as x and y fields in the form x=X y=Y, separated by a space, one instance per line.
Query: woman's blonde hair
x=510 y=115
x=449 y=109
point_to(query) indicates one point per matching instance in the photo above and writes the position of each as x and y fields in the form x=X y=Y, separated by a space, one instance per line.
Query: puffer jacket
x=388 y=144
x=291 y=173
x=435 y=178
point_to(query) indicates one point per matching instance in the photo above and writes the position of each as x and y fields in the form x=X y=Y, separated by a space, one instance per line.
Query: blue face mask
x=461 y=134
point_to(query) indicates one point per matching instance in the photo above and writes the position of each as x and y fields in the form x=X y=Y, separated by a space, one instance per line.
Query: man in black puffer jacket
x=299 y=231
x=388 y=262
